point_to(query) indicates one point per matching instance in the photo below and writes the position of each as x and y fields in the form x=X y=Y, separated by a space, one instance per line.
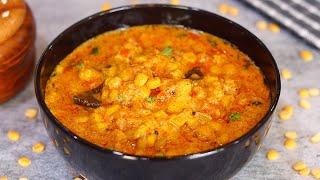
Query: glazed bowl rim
x=251 y=132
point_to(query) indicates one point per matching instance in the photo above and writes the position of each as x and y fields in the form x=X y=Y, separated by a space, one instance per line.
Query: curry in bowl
x=158 y=90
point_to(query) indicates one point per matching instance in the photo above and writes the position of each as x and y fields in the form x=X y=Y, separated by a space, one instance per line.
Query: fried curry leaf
x=95 y=51
x=212 y=43
x=234 y=116
x=167 y=51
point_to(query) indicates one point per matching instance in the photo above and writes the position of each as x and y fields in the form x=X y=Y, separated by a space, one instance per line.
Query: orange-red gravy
x=158 y=90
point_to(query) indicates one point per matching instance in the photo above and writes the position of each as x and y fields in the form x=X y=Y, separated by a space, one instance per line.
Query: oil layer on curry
x=157 y=90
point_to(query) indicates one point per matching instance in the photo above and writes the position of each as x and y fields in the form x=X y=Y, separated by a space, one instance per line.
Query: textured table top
x=53 y=16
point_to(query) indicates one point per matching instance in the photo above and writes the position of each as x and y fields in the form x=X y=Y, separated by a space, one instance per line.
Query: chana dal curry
x=157 y=90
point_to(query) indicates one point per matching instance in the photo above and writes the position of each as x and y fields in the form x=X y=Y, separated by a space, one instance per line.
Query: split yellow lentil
x=105 y=6
x=314 y=91
x=3 y=178
x=261 y=25
x=38 y=147
x=298 y=166
x=286 y=112
x=273 y=154
x=13 y=135
x=316 y=173
x=315 y=138
x=305 y=104
x=306 y=55
x=290 y=144
x=303 y=93
x=223 y=8
x=305 y=172
x=233 y=11
x=24 y=161
x=23 y=178
x=31 y=113
x=291 y=135
x=175 y=2
x=286 y=74
x=274 y=27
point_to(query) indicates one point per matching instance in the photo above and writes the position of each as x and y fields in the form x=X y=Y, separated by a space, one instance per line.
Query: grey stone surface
x=53 y=16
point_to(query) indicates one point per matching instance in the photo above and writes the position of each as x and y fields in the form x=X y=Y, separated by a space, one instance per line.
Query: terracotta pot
x=17 y=53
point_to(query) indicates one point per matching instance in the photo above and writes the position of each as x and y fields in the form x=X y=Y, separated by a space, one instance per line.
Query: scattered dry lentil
x=286 y=74
x=274 y=27
x=105 y=6
x=3 y=178
x=13 y=135
x=298 y=166
x=273 y=155
x=286 y=112
x=316 y=173
x=303 y=93
x=306 y=55
x=24 y=161
x=38 y=147
x=261 y=25
x=291 y=135
x=305 y=104
x=314 y=91
x=315 y=138
x=223 y=8
x=23 y=178
x=31 y=113
x=290 y=144
x=305 y=172
x=175 y=2
x=233 y=11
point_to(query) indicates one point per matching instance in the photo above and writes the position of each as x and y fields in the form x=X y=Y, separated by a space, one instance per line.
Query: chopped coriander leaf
x=80 y=65
x=212 y=43
x=234 y=116
x=167 y=51
x=95 y=51
x=150 y=99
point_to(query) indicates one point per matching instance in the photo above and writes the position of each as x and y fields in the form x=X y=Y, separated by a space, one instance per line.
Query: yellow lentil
x=286 y=74
x=105 y=6
x=304 y=104
x=304 y=172
x=290 y=144
x=23 y=178
x=24 y=161
x=315 y=138
x=233 y=11
x=223 y=8
x=13 y=135
x=286 y=112
x=274 y=27
x=314 y=91
x=273 y=154
x=303 y=93
x=31 y=113
x=261 y=25
x=316 y=173
x=306 y=55
x=175 y=2
x=298 y=166
x=141 y=79
x=38 y=147
x=291 y=135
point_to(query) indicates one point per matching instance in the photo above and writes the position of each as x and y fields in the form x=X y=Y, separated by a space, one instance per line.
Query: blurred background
x=290 y=34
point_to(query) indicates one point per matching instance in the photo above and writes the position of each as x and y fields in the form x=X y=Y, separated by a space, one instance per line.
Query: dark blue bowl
x=98 y=163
